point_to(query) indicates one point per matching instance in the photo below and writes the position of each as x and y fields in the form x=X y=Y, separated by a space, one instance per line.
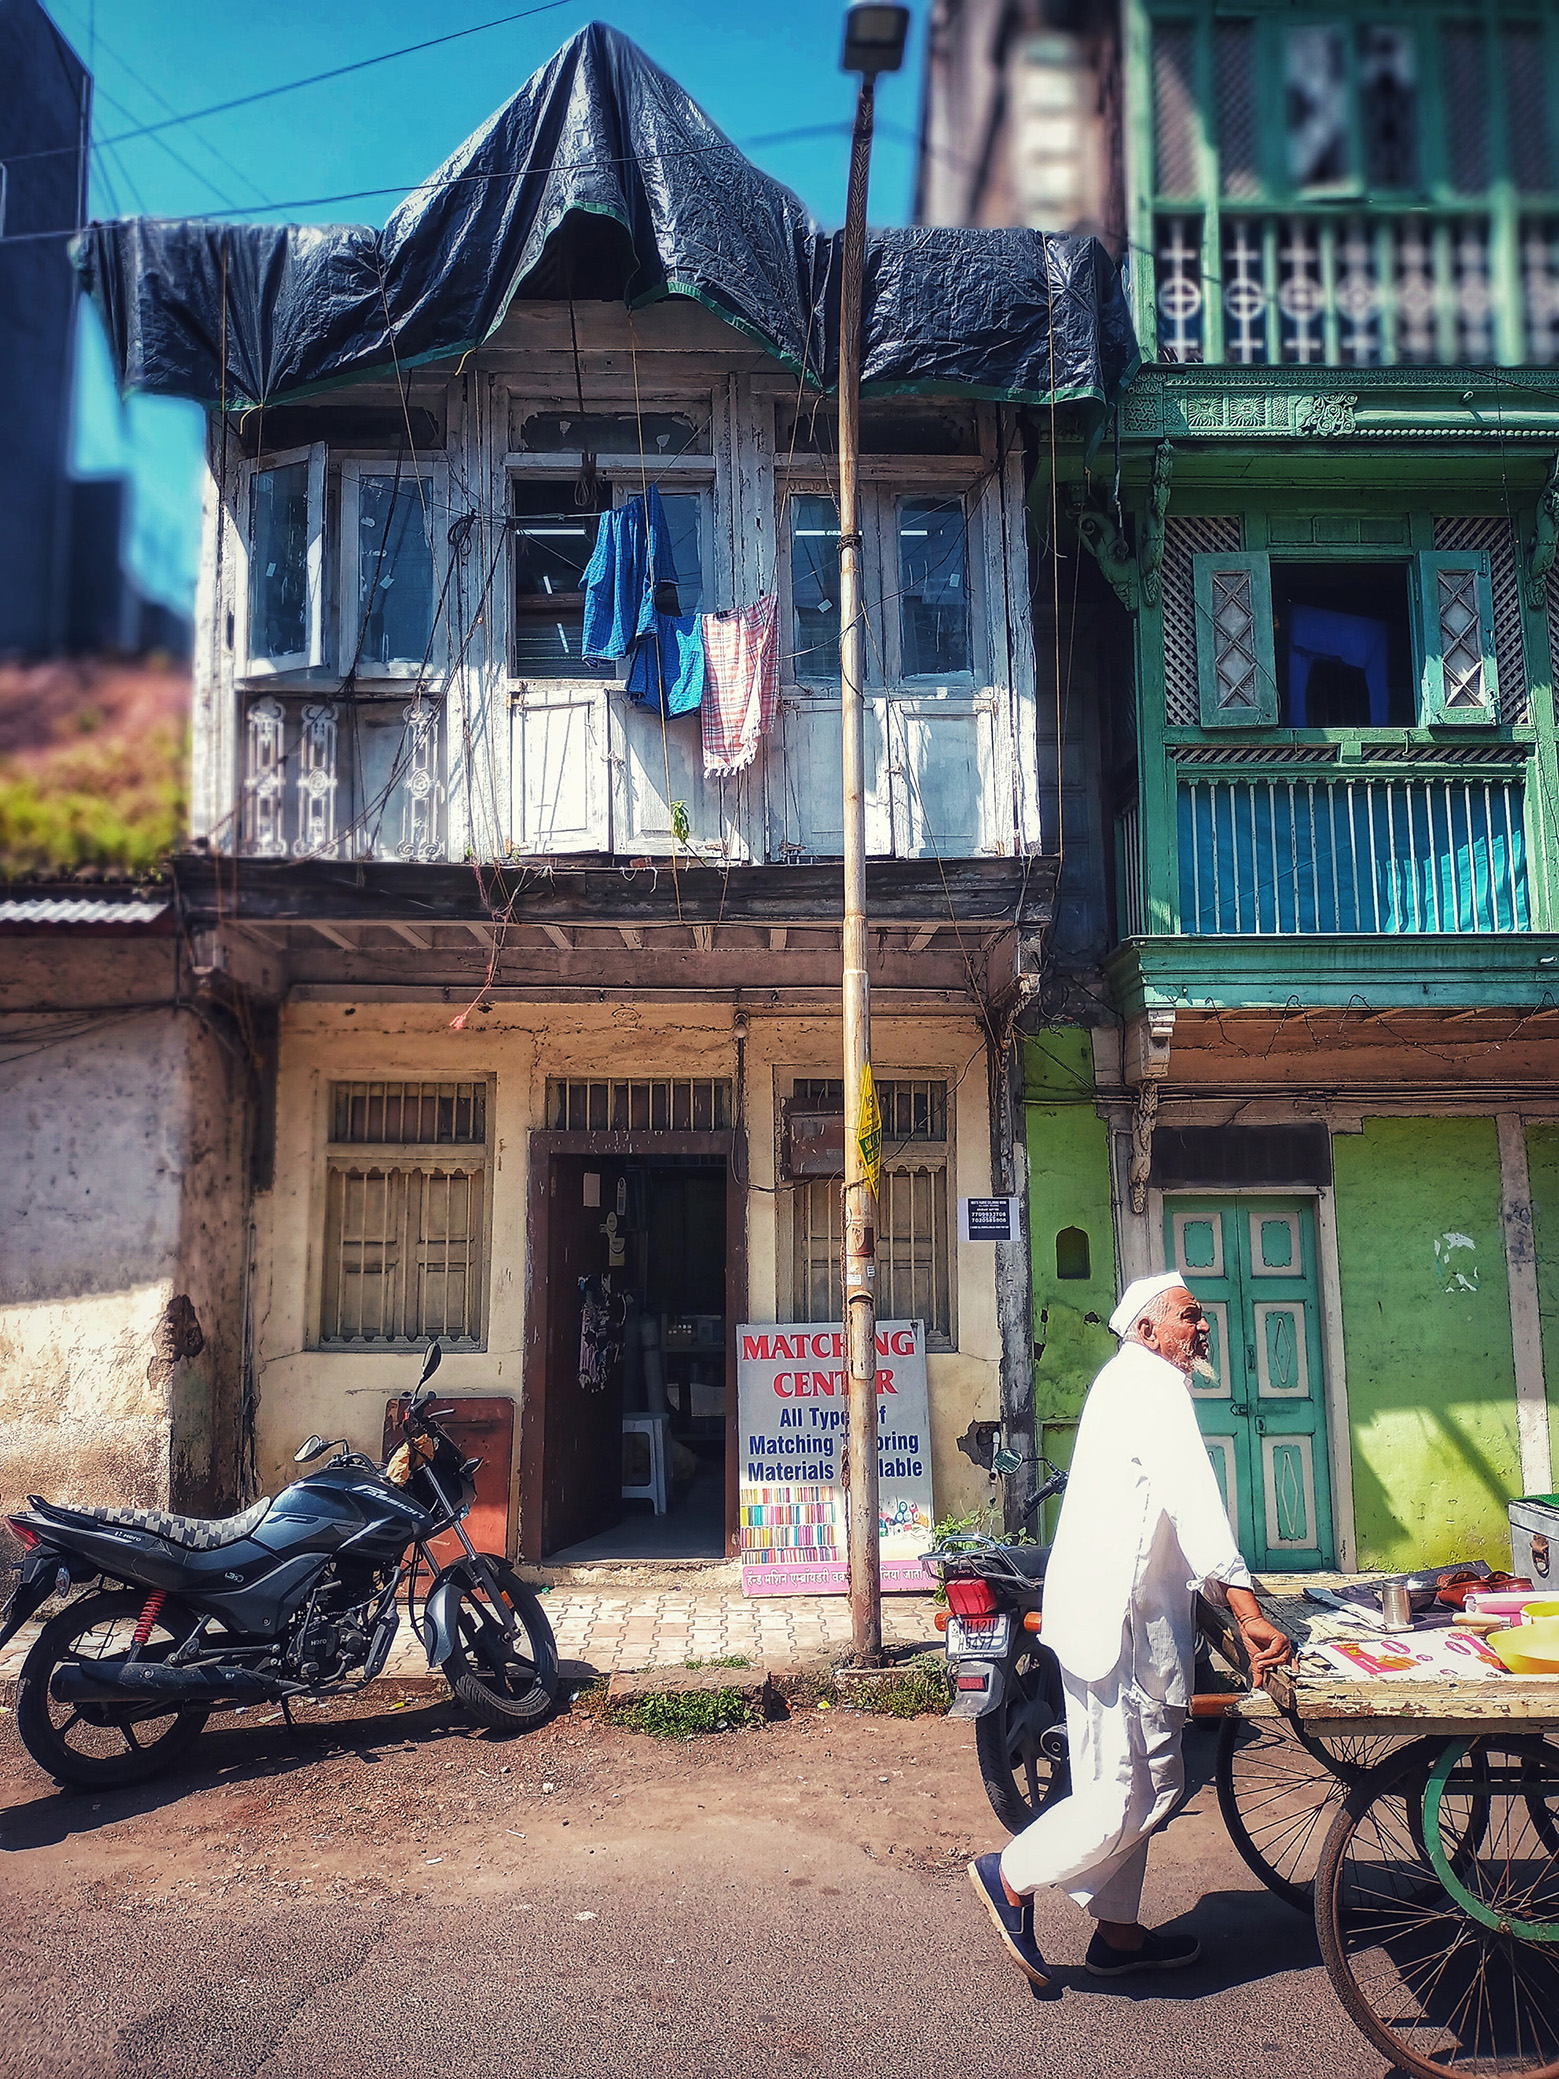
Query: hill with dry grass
x=93 y=759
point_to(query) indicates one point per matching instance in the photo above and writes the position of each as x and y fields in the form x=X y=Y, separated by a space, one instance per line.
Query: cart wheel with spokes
x=1278 y=1789
x=1021 y=1745
x=98 y=1746
x=1437 y=1907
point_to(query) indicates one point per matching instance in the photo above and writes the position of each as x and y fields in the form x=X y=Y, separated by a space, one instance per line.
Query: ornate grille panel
x=331 y=779
x=1179 y=295
x=1183 y=539
x=1498 y=537
x=1234 y=640
x=1461 y=645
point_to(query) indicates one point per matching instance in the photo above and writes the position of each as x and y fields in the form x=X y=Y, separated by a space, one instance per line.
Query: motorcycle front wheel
x=1021 y=1780
x=99 y=1746
x=505 y=1684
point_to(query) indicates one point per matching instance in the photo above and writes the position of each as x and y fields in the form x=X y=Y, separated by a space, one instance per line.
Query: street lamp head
x=874 y=38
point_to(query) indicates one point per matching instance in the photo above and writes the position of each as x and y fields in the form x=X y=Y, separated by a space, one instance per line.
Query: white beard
x=1202 y=1368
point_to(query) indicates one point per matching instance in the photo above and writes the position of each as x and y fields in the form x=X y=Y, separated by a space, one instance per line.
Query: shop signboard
x=795 y=1424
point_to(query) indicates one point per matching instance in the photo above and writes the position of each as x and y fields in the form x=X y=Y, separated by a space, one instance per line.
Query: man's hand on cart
x=1267 y=1646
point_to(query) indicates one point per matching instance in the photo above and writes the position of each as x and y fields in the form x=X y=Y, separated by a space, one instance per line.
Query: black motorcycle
x=1003 y=1677
x=295 y=1597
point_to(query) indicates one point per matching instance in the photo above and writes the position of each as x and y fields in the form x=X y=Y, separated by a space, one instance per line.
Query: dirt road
x=395 y=1894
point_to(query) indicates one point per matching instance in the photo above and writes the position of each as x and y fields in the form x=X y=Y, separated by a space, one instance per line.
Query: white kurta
x=1142 y=1526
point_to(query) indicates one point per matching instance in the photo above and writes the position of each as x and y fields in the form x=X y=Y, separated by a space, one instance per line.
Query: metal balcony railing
x=1334 y=855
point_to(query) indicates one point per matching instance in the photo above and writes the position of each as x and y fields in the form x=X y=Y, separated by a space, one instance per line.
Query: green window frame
x=1236 y=668
x=1458 y=676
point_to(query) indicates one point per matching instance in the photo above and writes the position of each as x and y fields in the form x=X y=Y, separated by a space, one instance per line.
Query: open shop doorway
x=637 y=1398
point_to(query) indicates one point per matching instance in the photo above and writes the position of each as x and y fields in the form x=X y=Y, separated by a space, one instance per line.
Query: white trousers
x=1126 y=1775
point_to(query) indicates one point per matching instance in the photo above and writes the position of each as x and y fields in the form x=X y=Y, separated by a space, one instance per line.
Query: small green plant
x=681 y=822
x=912 y=1691
x=731 y=1660
x=681 y=1716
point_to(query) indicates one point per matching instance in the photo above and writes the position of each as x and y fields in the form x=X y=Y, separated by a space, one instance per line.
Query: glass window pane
x=553 y=542
x=933 y=587
x=279 y=562
x=1315 y=106
x=814 y=586
x=684 y=523
x=394 y=569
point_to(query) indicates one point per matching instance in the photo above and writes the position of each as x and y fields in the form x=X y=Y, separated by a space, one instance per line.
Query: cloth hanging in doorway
x=667 y=670
x=632 y=555
x=600 y=1332
x=741 y=682
x=1318 y=635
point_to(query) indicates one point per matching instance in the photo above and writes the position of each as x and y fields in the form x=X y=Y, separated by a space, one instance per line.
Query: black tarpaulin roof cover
x=600 y=178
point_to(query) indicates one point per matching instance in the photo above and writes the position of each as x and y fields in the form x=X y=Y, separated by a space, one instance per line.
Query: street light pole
x=874 y=42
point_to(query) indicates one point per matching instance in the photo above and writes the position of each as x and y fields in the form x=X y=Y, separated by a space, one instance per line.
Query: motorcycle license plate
x=983 y=1636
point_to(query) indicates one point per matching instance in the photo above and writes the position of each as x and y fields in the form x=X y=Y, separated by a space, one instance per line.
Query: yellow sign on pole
x=868 y=1133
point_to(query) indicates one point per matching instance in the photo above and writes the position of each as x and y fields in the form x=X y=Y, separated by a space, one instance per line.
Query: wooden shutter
x=1459 y=679
x=1235 y=669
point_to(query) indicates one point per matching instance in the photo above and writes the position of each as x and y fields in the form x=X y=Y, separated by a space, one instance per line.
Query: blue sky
x=756 y=70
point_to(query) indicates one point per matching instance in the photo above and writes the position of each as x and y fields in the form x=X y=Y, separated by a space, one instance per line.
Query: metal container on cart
x=1534 y=1540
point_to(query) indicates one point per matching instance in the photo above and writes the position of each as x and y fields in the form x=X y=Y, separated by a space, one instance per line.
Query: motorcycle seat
x=1029 y=1559
x=195 y=1533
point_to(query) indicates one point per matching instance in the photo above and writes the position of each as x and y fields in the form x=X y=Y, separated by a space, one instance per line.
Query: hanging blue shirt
x=632 y=556
x=668 y=665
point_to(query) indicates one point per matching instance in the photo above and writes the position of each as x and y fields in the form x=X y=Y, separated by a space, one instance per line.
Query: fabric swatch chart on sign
x=723 y=664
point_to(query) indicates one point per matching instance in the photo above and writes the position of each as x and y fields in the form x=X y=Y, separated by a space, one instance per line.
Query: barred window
x=405 y=1234
x=698 y=1104
x=913 y=1255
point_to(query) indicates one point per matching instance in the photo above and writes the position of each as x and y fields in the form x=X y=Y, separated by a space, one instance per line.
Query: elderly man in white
x=1142 y=1528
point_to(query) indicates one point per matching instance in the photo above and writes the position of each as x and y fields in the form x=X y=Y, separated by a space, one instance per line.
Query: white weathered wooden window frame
x=434 y=469
x=249 y=667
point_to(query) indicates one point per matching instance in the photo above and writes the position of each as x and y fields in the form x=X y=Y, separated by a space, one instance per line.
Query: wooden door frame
x=532 y=1424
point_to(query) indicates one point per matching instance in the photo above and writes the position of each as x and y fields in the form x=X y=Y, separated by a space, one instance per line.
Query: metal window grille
x=1496 y=534
x=912 y=1249
x=1129 y=824
x=1540 y=287
x=913 y=1108
x=404 y=1247
x=322 y=780
x=1174 y=109
x=403 y=1253
x=1530 y=138
x=700 y=1104
x=1465 y=83
x=407 y=1114
x=1183 y=539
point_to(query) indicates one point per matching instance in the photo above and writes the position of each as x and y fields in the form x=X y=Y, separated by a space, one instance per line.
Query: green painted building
x=1306 y=591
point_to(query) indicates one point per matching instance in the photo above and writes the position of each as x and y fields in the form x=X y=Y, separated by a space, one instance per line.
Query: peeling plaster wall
x=118 y=1285
x=1426 y=1331
x=342 y=1393
x=1543 y=1173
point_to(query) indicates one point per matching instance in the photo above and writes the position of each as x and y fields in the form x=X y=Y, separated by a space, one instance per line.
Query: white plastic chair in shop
x=653 y=1429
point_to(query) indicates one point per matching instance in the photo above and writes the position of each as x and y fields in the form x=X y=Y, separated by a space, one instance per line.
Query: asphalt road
x=395 y=1894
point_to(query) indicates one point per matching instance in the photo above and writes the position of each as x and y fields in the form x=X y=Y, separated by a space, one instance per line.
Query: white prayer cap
x=1139 y=1296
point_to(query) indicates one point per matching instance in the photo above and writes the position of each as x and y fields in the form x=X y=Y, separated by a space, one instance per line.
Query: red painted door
x=481 y=1429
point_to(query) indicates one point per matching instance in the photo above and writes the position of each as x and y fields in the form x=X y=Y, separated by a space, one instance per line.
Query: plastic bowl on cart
x=1529 y=1649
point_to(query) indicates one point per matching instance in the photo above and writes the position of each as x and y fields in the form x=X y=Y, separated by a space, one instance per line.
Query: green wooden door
x=1251 y=1262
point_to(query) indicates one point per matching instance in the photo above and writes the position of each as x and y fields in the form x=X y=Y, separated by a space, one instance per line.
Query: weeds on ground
x=681 y=1716
x=918 y=1688
x=731 y=1660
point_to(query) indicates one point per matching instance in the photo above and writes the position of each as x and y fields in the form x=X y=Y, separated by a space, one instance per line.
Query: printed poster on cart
x=795 y=1425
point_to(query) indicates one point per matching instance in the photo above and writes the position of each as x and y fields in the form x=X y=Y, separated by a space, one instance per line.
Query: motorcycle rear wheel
x=95 y=1746
x=1020 y=1779
x=508 y=1688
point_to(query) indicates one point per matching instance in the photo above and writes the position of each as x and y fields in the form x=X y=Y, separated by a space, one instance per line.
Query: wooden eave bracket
x=1545 y=541
x=1110 y=549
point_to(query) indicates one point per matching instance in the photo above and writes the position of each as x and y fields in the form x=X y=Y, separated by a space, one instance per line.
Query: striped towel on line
x=741 y=683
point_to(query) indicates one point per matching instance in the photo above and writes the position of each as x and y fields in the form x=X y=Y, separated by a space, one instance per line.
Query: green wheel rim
x=1478 y=1909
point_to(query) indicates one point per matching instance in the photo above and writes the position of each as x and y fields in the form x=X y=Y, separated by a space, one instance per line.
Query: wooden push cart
x=1419 y=1822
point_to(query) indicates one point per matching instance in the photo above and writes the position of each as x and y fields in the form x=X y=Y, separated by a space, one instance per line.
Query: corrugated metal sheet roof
x=80 y=909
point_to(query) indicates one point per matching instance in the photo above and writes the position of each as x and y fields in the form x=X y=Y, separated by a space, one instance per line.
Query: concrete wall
x=1426 y=1330
x=520 y=1046
x=1069 y=1186
x=121 y=1258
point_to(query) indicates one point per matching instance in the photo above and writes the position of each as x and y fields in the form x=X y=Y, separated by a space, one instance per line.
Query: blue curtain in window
x=1352 y=856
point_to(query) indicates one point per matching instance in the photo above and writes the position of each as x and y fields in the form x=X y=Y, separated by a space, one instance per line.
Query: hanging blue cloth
x=632 y=556
x=668 y=666
x=1317 y=633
